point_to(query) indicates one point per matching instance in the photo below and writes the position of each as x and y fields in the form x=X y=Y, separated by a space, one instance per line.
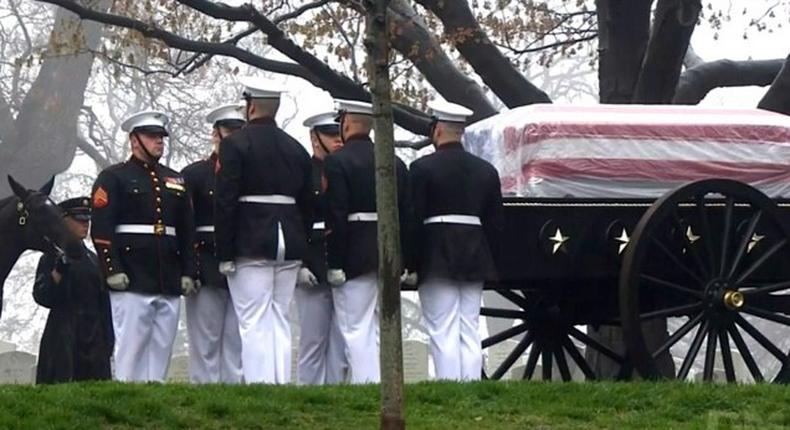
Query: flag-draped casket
x=631 y=151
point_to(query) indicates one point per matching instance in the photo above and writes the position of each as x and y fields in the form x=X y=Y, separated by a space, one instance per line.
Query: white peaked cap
x=353 y=107
x=230 y=112
x=259 y=88
x=321 y=119
x=448 y=112
x=146 y=118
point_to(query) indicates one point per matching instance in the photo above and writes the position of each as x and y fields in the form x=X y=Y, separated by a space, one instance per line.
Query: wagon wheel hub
x=733 y=300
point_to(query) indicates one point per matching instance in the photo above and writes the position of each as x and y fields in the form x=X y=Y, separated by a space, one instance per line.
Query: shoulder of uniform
x=115 y=167
x=195 y=166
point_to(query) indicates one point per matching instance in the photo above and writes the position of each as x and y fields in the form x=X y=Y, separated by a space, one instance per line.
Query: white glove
x=336 y=277
x=409 y=278
x=188 y=286
x=305 y=278
x=118 y=282
x=227 y=267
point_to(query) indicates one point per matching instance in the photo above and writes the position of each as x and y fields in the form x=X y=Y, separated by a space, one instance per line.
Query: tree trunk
x=463 y=30
x=777 y=98
x=391 y=349
x=45 y=131
x=673 y=25
x=696 y=82
x=623 y=33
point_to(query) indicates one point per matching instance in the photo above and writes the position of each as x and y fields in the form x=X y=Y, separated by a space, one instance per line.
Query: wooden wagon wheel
x=545 y=336
x=713 y=255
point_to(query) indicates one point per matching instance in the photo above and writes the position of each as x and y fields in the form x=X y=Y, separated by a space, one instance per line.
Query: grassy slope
x=484 y=405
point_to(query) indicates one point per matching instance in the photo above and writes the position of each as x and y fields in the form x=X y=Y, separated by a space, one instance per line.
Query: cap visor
x=153 y=130
x=332 y=130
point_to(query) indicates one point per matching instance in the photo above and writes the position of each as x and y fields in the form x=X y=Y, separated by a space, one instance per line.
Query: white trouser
x=355 y=305
x=322 y=350
x=261 y=291
x=214 y=341
x=145 y=327
x=451 y=310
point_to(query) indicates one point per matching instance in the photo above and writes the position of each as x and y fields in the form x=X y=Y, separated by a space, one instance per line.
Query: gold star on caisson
x=623 y=239
x=691 y=236
x=756 y=238
x=559 y=240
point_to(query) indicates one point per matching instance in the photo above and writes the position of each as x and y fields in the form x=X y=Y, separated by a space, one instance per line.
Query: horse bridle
x=24 y=214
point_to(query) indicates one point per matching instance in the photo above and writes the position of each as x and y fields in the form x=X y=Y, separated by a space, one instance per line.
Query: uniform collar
x=141 y=163
x=317 y=161
x=213 y=157
x=450 y=145
x=358 y=138
x=263 y=121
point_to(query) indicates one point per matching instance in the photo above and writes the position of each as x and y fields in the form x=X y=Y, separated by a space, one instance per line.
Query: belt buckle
x=159 y=229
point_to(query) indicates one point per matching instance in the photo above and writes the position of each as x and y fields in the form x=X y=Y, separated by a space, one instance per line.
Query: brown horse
x=31 y=220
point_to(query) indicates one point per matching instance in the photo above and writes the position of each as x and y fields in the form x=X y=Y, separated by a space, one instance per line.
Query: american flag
x=632 y=151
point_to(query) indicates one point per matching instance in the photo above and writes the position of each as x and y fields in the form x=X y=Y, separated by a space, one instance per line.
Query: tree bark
x=623 y=33
x=463 y=30
x=412 y=38
x=391 y=350
x=45 y=130
x=673 y=25
x=777 y=98
x=696 y=82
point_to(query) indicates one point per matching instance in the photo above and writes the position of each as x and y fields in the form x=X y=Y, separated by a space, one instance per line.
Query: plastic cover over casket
x=631 y=151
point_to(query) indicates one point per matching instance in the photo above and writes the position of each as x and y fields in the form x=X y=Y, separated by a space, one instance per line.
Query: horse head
x=41 y=222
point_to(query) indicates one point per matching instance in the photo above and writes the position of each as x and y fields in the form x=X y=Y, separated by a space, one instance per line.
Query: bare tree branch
x=777 y=98
x=299 y=11
x=465 y=32
x=414 y=41
x=696 y=82
x=94 y=153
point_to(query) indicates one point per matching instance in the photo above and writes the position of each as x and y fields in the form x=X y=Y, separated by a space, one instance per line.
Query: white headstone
x=415 y=361
x=6 y=346
x=179 y=369
x=498 y=353
x=15 y=367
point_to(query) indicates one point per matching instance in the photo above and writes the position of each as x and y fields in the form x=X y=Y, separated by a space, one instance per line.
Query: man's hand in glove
x=336 y=277
x=305 y=278
x=188 y=286
x=118 y=282
x=227 y=267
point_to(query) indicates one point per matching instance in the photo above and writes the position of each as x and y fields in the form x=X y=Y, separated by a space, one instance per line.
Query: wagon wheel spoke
x=504 y=335
x=748 y=358
x=690 y=245
x=562 y=363
x=677 y=261
x=513 y=356
x=725 y=235
x=503 y=313
x=761 y=339
x=765 y=289
x=744 y=244
x=516 y=298
x=680 y=333
x=594 y=344
x=672 y=285
x=707 y=233
x=577 y=358
x=710 y=355
x=770 y=316
x=760 y=261
x=546 y=364
x=673 y=311
x=726 y=355
x=693 y=351
x=532 y=361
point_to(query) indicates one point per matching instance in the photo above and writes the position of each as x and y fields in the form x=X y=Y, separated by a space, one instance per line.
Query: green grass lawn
x=485 y=405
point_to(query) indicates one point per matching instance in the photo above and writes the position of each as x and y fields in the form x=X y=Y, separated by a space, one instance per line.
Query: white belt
x=363 y=216
x=319 y=226
x=145 y=229
x=453 y=219
x=205 y=229
x=274 y=199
